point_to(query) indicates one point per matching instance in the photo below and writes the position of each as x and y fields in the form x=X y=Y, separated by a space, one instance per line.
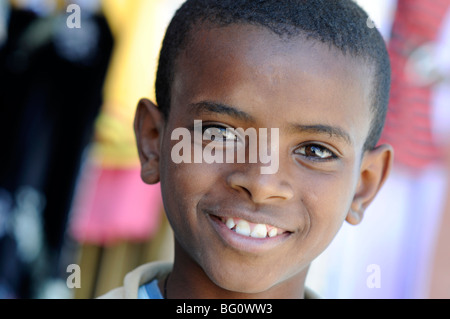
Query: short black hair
x=338 y=23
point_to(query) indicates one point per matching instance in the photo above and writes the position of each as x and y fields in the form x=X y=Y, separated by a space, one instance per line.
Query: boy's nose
x=261 y=188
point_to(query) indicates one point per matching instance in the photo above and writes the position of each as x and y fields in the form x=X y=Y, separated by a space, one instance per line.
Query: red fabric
x=408 y=123
x=114 y=205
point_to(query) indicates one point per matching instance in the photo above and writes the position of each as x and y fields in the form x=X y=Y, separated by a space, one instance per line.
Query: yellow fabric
x=138 y=27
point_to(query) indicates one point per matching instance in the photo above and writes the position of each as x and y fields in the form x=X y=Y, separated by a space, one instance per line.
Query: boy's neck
x=189 y=281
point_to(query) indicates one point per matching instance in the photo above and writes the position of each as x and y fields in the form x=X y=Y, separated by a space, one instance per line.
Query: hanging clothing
x=408 y=127
x=51 y=79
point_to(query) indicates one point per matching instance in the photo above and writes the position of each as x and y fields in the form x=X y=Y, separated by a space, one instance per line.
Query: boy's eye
x=315 y=151
x=217 y=133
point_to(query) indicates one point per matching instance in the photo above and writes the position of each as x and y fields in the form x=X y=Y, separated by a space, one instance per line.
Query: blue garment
x=150 y=291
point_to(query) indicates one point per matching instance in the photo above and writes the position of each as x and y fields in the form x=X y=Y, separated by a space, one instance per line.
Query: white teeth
x=273 y=232
x=243 y=228
x=230 y=223
x=259 y=231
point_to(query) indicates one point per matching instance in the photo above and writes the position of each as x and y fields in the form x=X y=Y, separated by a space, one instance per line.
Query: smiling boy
x=313 y=70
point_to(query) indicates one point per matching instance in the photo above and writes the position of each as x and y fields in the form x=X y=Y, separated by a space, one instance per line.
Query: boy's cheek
x=327 y=199
x=187 y=183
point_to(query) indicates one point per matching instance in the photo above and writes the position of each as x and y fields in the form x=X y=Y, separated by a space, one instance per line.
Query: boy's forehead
x=257 y=46
x=253 y=43
x=230 y=62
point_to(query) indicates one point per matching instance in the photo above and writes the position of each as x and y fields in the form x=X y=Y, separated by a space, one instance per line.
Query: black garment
x=51 y=80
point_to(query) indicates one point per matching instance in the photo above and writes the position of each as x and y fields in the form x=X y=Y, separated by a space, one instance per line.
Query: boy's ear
x=375 y=168
x=148 y=124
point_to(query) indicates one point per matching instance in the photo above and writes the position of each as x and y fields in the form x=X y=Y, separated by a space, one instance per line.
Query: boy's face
x=319 y=100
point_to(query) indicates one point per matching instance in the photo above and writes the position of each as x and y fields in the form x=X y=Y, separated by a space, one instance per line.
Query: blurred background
x=70 y=188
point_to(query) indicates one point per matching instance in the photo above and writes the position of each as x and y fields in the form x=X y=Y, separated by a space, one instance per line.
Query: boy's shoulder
x=137 y=277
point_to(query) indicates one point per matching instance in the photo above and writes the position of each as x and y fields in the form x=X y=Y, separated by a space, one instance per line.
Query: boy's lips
x=249 y=235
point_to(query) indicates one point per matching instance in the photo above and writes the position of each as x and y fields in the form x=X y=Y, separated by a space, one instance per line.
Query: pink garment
x=113 y=205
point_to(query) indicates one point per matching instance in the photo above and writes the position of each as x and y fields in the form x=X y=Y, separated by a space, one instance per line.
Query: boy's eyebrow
x=322 y=129
x=220 y=108
x=215 y=107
